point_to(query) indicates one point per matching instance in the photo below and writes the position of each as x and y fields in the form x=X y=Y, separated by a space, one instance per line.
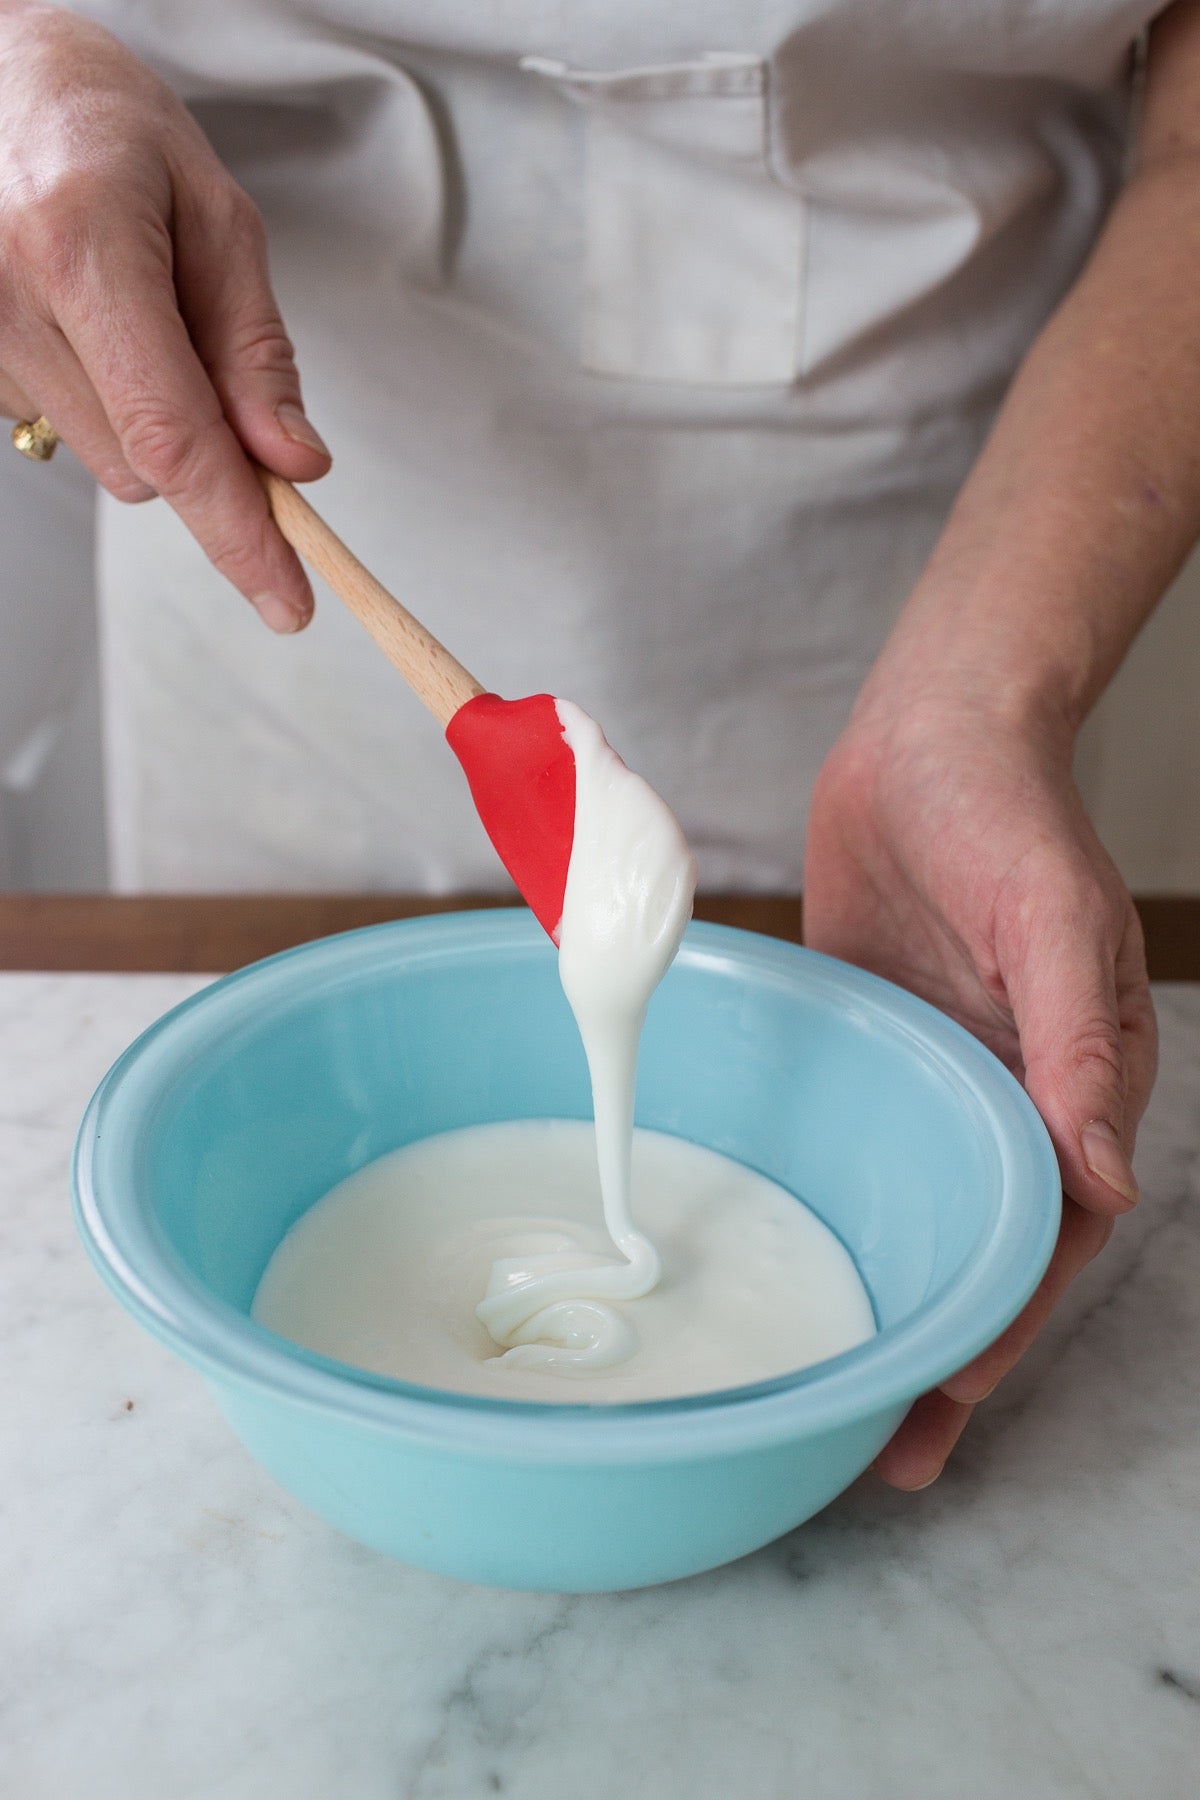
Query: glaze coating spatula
x=518 y=765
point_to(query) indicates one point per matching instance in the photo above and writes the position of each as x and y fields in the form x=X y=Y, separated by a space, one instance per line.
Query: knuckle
x=1096 y=1053
x=124 y=486
x=161 y=448
x=263 y=347
x=1074 y=900
x=237 y=217
x=51 y=234
x=1091 y=914
x=248 y=221
x=1131 y=956
x=257 y=340
x=239 y=552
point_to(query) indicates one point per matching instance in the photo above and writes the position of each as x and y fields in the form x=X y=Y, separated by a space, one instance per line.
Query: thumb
x=233 y=319
x=1063 y=993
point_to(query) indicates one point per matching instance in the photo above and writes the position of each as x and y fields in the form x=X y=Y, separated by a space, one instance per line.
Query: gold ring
x=36 y=439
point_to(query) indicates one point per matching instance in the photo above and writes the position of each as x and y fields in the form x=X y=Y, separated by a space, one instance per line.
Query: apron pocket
x=693 y=251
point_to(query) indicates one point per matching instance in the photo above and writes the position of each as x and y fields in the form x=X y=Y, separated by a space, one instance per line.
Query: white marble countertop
x=173 y=1627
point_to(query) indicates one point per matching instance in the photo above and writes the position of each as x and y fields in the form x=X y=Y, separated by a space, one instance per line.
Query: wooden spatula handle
x=435 y=677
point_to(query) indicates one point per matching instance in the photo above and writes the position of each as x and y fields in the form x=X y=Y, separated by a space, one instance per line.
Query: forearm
x=1086 y=498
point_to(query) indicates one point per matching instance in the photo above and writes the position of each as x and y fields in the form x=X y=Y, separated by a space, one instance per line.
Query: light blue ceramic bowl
x=235 y=1112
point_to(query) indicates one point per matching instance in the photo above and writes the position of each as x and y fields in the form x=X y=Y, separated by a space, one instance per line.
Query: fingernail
x=1104 y=1156
x=276 y=612
x=922 y=1485
x=970 y=1399
x=295 y=423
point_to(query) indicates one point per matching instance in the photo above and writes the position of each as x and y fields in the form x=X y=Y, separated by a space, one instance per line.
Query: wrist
x=940 y=716
x=965 y=657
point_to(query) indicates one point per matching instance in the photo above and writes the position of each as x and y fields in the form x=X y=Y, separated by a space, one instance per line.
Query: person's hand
x=949 y=851
x=136 y=309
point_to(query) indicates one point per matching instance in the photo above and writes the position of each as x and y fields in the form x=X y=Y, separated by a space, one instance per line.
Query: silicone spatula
x=518 y=765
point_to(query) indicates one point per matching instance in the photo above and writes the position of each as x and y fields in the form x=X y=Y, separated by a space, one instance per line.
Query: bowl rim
x=887 y=1371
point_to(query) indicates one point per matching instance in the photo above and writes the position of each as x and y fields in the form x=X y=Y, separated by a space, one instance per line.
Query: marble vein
x=173 y=1625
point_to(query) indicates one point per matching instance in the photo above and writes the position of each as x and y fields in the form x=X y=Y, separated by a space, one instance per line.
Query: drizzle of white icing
x=630 y=886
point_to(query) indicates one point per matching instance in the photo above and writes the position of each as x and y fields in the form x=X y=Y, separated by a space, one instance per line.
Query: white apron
x=652 y=343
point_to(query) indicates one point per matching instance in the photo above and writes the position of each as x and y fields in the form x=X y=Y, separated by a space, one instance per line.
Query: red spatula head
x=521 y=772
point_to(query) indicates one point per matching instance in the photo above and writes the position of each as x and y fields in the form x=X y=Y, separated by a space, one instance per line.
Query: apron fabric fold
x=652 y=345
